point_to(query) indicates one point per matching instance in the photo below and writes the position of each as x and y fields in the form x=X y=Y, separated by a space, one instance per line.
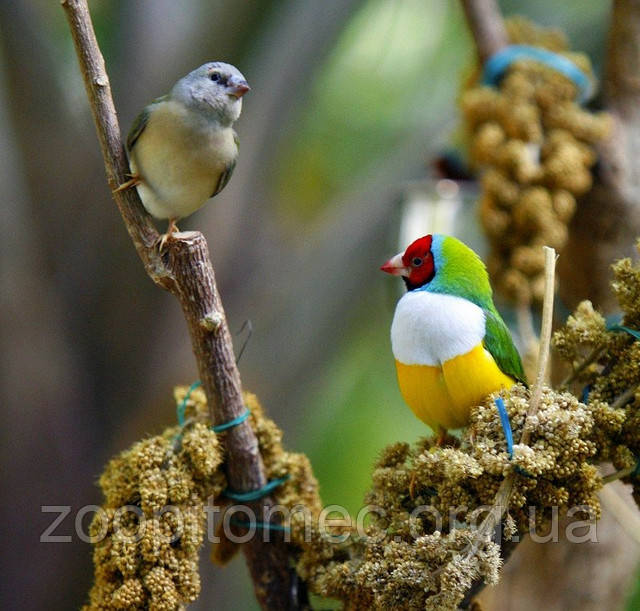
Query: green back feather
x=499 y=343
x=460 y=272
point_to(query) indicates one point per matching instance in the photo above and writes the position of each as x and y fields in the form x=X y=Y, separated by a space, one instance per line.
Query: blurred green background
x=350 y=100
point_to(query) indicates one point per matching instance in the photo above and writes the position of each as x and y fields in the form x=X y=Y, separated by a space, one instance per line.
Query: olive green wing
x=499 y=343
x=140 y=122
x=225 y=176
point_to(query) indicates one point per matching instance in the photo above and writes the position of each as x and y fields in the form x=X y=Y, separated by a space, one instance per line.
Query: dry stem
x=185 y=270
x=501 y=503
x=545 y=336
x=616 y=475
x=593 y=356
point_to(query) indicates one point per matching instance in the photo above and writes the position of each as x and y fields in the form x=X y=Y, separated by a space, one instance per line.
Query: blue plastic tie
x=182 y=406
x=508 y=435
x=218 y=428
x=254 y=495
x=506 y=425
x=263 y=525
x=633 y=332
x=497 y=65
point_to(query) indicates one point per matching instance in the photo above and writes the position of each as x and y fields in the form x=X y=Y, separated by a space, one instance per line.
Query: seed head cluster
x=434 y=498
x=426 y=501
x=535 y=146
x=146 y=554
x=606 y=360
x=153 y=519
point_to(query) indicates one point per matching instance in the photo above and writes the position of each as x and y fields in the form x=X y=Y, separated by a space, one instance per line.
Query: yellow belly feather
x=443 y=396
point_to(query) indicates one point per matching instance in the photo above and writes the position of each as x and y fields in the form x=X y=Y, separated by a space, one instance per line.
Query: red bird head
x=415 y=265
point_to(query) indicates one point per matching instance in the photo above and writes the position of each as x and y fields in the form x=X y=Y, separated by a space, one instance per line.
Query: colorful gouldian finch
x=451 y=346
x=182 y=147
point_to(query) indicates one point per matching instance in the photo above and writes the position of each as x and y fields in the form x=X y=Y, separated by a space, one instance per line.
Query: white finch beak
x=395 y=266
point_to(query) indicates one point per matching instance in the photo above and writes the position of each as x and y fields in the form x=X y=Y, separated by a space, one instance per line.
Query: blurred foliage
x=371 y=93
x=357 y=412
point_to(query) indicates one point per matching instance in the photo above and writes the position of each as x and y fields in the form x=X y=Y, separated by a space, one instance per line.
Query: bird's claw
x=412 y=485
x=442 y=437
x=167 y=237
x=134 y=181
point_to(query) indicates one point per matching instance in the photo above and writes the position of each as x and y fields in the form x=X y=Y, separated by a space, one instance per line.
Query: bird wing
x=140 y=122
x=499 y=343
x=225 y=176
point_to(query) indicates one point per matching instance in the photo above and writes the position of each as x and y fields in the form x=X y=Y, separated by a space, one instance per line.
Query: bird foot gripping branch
x=134 y=181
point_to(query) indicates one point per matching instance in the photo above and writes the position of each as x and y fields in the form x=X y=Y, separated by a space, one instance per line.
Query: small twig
x=593 y=356
x=625 y=397
x=247 y=324
x=487 y=26
x=545 y=337
x=612 y=477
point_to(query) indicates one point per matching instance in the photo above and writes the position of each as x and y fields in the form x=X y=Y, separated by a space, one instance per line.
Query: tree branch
x=186 y=271
x=486 y=25
x=616 y=190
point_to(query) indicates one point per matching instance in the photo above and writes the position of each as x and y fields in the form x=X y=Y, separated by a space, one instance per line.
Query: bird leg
x=134 y=181
x=412 y=485
x=171 y=229
x=442 y=436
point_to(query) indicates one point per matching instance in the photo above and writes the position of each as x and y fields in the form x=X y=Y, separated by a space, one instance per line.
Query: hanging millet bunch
x=152 y=524
x=535 y=146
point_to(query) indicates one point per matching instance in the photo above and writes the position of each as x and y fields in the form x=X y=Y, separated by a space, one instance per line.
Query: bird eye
x=215 y=76
x=417 y=261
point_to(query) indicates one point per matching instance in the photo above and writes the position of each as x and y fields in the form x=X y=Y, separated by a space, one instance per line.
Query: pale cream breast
x=180 y=160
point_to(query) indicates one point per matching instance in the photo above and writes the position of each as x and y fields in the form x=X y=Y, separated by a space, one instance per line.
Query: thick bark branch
x=186 y=271
x=195 y=286
x=137 y=221
x=486 y=25
x=609 y=215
